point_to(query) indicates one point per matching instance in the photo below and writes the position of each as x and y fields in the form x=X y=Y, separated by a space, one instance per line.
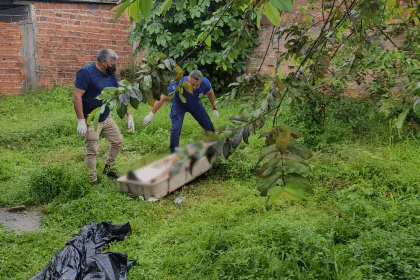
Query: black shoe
x=110 y=173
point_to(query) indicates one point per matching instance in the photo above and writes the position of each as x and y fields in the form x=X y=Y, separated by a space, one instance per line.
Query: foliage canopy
x=343 y=27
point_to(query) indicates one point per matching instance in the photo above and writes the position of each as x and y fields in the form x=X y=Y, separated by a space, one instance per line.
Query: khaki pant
x=109 y=130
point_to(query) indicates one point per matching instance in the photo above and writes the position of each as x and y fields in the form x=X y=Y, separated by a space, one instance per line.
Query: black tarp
x=81 y=258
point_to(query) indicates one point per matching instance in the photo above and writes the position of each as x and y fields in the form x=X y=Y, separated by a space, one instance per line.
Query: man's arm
x=77 y=102
x=155 y=107
x=212 y=99
x=159 y=103
x=78 y=108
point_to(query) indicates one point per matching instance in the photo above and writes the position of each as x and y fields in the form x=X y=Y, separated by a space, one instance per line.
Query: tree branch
x=268 y=46
x=383 y=33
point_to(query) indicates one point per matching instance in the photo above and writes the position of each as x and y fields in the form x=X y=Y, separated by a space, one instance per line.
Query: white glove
x=81 y=127
x=215 y=114
x=148 y=118
x=130 y=123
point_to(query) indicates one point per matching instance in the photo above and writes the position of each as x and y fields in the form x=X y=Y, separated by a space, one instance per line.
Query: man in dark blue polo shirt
x=200 y=85
x=90 y=80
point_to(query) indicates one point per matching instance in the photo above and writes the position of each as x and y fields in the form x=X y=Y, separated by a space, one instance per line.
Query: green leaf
x=124 y=98
x=135 y=11
x=181 y=96
x=124 y=83
x=259 y=16
x=180 y=4
x=145 y=6
x=227 y=149
x=272 y=14
x=247 y=131
x=208 y=40
x=268 y=182
x=274 y=194
x=103 y=107
x=268 y=168
x=138 y=94
x=121 y=110
x=166 y=5
x=193 y=3
x=295 y=193
x=151 y=60
x=298 y=182
x=147 y=81
x=300 y=150
x=168 y=64
x=160 y=55
x=295 y=166
x=110 y=90
x=134 y=102
x=121 y=9
x=282 y=5
x=91 y=116
x=416 y=106
x=267 y=151
x=401 y=119
x=390 y=3
x=104 y=96
x=150 y=100
x=274 y=190
x=96 y=120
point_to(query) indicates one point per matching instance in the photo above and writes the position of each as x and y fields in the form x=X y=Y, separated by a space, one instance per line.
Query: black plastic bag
x=81 y=258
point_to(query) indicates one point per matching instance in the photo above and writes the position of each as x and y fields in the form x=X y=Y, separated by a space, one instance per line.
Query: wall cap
x=25 y=2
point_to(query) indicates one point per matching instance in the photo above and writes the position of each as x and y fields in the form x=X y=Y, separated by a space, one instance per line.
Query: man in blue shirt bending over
x=200 y=85
x=90 y=80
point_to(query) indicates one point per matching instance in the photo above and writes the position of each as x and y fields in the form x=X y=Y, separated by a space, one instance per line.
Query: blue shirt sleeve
x=172 y=87
x=183 y=79
x=206 y=85
x=82 y=79
x=115 y=80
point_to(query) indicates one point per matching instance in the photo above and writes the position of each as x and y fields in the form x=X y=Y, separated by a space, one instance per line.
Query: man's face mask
x=111 y=69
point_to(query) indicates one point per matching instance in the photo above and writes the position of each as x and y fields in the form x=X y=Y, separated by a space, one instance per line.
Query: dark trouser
x=177 y=118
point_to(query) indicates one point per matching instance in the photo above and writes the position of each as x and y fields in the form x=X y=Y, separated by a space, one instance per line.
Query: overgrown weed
x=359 y=222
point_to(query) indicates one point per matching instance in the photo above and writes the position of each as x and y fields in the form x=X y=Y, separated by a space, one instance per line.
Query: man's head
x=195 y=79
x=107 y=61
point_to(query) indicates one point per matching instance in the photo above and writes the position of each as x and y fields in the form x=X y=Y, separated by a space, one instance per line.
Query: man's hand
x=215 y=114
x=148 y=118
x=130 y=123
x=81 y=127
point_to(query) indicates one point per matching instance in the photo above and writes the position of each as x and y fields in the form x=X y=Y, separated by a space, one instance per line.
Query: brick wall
x=71 y=35
x=267 y=62
x=12 y=70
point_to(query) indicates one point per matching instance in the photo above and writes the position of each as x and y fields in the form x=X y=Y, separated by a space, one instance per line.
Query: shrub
x=175 y=32
x=64 y=181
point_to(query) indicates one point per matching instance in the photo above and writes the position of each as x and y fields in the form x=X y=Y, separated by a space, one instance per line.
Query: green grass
x=361 y=221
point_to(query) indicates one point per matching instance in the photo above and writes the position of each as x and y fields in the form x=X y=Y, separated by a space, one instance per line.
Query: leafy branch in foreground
x=284 y=166
x=117 y=97
x=155 y=75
